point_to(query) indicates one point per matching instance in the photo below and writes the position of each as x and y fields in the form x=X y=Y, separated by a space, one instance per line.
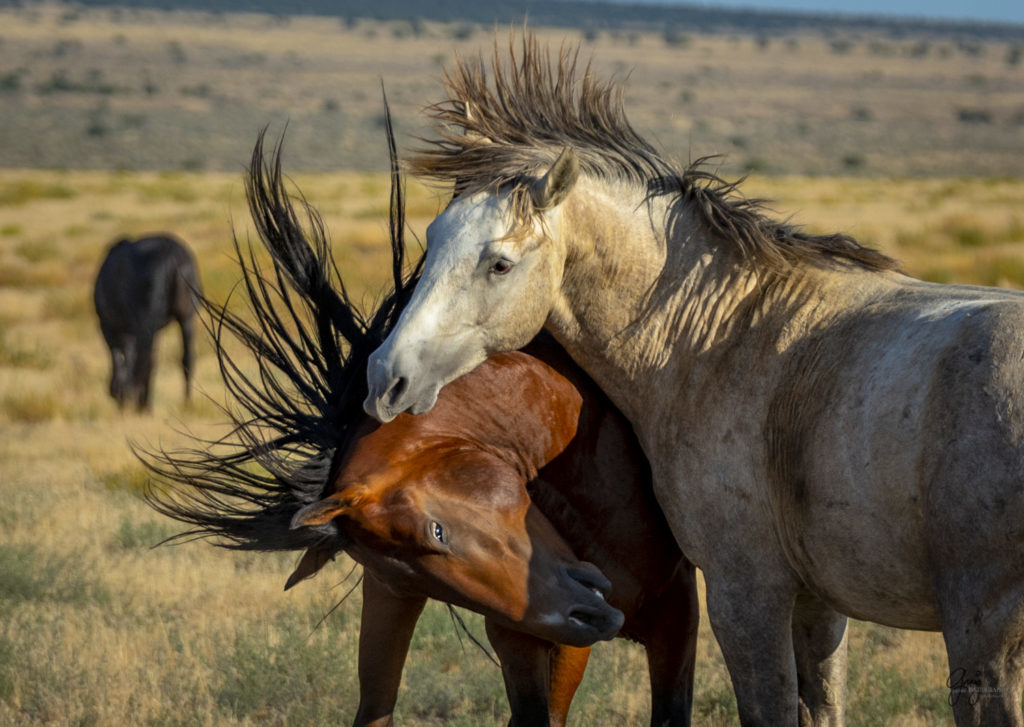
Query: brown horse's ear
x=551 y=190
x=312 y=561
x=323 y=511
x=317 y=513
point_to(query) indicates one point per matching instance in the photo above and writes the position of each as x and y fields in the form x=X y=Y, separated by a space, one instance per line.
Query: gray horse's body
x=828 y=437
x=878 y=427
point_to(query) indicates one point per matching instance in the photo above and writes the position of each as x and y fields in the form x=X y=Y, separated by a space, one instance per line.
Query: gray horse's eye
x=438 y=532
x=502 y=266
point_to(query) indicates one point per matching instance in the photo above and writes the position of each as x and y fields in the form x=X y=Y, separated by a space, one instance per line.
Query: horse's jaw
x=384 y=408
x=390 y=393
x=399 y=383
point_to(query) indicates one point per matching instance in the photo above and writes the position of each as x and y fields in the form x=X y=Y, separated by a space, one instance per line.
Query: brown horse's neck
x=512 y=406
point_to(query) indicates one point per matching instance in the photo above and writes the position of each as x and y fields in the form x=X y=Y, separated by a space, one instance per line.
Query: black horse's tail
x=309 y=344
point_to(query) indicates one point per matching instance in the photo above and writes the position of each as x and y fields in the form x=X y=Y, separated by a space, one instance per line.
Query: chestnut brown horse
x=597 y=494
x=440 y=506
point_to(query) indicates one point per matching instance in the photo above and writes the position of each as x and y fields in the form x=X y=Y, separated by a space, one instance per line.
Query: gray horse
x=141 y=287
x=828 y=436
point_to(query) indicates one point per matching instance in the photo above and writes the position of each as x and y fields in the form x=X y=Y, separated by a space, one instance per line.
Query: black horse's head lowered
x=141 y=287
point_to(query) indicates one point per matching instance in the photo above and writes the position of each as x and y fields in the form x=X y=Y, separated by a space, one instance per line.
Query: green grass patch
x=18 y=357
x=20 y=273
x=937 y=275
x=450 y=680
x=27 y=575
x=969 y=236
x=132 y=535
x=176 y=188
x=36 y=251
x=288 y=671
x=882 y=696
x=78 y=230
x=23 y=191
x=8 y=664
x=132 y=479
x=68 y=304
x=879 y=693
x=1002 y=271
x=31 y=407
x=715 y=704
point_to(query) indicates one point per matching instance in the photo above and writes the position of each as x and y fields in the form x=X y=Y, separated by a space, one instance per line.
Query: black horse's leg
x=143 y=370
x=670 y=637
x=187 y=355
x=526 y=669
x=388 y=622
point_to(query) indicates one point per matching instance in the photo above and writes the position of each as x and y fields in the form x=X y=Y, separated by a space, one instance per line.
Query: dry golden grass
x=97 y=628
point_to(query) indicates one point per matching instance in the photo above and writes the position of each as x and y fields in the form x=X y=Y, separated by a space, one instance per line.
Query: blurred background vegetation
x=142 y=88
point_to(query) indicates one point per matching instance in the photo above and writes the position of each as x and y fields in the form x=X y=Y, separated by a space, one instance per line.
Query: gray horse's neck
x=651 y=304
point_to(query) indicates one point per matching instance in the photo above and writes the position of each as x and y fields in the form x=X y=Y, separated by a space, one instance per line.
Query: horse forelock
x=499 y=131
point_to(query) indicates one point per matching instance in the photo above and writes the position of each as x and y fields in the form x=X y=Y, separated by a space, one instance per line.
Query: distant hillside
x=145 y=88
x=583 y=14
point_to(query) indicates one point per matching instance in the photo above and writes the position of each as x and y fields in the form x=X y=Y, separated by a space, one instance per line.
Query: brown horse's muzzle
x=590 y=617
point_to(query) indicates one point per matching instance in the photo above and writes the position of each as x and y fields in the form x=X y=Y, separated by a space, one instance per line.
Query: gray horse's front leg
x=752 y=622
x=819 y=643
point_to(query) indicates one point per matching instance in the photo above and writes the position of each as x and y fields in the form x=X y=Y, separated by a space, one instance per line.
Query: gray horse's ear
x=472 y=134
x=551 y=190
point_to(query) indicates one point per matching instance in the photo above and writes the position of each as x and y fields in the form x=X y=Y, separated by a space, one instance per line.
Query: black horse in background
x=141 y=287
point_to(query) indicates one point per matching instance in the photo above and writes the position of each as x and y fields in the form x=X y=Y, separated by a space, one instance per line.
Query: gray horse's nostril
x=397 y=388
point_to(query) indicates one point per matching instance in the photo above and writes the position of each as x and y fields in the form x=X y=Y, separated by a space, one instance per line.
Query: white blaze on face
x=480 y=293
x=440 y=335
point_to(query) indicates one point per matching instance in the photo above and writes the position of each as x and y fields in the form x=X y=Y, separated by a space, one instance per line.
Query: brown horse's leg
x=670 y=637
x=819 y=644
x=388 y=622
x=568 y=663
x=526 y=669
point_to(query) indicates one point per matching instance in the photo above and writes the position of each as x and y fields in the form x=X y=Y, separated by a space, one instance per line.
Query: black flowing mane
x=310 y=344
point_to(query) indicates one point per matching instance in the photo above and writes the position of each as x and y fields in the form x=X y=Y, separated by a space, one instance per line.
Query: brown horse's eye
x=501 y=266
x=438 y=532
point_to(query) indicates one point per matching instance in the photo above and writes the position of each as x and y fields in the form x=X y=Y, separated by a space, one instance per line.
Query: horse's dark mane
x=501 y=133
x=310 y=344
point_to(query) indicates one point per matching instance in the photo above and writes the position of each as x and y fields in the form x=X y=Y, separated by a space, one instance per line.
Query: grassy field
x=96 y=626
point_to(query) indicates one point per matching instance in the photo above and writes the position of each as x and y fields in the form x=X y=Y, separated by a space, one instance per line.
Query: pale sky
x=981 y=10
